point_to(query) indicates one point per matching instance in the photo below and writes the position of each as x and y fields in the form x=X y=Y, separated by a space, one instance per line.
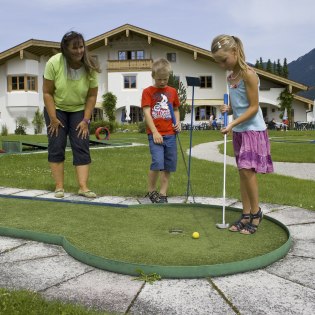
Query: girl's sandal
x=239 y=225
x=251 y=228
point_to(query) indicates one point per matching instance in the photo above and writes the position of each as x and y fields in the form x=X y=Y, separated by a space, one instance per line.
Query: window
x=130 y=82
x=22 y=83
x=171 y=57
x=135 y=114
x=131 y=55
x=206 y=81
x=204 y=112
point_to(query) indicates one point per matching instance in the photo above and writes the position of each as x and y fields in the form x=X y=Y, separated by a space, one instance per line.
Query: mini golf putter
x=224 y=225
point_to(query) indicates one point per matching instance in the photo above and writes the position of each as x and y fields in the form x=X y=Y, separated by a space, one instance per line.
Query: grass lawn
x=31 y=303
x=123 y=171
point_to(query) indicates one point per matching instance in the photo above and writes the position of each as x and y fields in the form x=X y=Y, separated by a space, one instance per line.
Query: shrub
x=103 y=123
x=4 y=130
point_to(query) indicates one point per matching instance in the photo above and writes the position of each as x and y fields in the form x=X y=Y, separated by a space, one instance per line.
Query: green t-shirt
x=71 y=86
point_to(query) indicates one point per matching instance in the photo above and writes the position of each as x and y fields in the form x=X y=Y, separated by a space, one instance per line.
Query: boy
x=156 y=101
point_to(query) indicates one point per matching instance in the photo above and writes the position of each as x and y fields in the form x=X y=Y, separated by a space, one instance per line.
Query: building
x=125 y=55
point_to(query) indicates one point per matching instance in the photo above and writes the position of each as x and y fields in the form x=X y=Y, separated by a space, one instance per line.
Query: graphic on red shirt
x=161 y=109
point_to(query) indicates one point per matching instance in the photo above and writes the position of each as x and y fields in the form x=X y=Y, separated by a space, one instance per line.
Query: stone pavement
x=285 y=287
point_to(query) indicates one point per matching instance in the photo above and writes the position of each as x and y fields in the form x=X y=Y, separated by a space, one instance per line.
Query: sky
x=269 y=29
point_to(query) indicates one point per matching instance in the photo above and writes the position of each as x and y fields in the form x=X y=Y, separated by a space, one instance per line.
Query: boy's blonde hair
x=227 y=42
x=161 y=65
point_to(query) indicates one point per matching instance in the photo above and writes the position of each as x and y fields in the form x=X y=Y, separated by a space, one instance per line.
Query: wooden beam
x=127 y=32
x=290 y=88
x=106 y=41
x=195 y=55
x=149 y=40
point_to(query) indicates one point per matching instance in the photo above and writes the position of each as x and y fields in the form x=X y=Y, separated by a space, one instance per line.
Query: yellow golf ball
x=195 y=235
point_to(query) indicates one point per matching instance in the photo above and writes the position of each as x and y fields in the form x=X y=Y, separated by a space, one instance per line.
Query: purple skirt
x=252 y=151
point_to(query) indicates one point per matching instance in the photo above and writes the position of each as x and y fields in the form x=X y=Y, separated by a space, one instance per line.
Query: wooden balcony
x=129 y=65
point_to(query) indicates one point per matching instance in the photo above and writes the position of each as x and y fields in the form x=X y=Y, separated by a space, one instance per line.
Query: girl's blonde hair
x=161 y=65
x=227 y=42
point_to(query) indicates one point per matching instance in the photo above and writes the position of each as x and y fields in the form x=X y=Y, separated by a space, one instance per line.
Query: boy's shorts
x=164 y=156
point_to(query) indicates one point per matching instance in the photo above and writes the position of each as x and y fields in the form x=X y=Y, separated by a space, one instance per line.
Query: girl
x=250 y=138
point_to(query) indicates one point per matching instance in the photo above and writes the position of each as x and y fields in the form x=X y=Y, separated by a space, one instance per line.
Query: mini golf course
x=151 y=238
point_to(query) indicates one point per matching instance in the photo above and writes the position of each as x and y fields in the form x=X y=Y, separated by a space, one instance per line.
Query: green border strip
x=200 y=271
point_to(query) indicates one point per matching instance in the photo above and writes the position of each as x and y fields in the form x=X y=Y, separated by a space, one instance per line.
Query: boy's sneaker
x=163 y=199
x=153 y=196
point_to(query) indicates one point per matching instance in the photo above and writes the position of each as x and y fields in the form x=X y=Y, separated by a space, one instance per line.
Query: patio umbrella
x=285 y=114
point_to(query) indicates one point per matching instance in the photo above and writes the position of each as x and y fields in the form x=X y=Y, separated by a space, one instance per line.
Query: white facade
x=14 y=104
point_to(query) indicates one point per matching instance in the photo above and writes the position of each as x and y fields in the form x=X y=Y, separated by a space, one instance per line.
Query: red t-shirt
x=158 y=99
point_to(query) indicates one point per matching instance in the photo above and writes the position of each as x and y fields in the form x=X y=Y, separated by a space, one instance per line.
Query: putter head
x=222 y=225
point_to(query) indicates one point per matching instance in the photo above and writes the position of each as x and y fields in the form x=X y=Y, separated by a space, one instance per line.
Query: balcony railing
x=129 y=65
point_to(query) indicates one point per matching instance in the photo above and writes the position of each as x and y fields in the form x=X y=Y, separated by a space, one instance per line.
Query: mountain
x=303 y=70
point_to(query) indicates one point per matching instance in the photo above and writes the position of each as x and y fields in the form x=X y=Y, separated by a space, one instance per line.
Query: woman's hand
x=83 y=128
x=53 y=127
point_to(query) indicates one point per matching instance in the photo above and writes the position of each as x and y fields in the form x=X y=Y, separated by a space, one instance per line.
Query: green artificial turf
x=142 y=234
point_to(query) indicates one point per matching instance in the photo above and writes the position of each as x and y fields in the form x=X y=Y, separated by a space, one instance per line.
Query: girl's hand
x=226 y=130
x=83 y=128
x=54 y=127
x=224 y=109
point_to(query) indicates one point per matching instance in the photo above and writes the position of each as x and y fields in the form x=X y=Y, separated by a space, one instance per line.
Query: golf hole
x=176 y=231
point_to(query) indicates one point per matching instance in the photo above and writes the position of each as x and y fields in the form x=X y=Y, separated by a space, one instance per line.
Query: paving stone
x=303 y=231
x=193 y=296
x=262 y=293
x=293 y=215
x=7 y=243
x=97 y=289
x=215 y=201
x=52 y=195
x=39 y=274
x=31 y=193
x=109 y=199
x=10 y=191
x=303 y=248
x=296 y=269
x=31 y=250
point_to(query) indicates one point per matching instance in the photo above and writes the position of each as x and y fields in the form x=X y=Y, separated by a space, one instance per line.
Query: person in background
x=70 y=89
x=156 y=102
x=250 y=137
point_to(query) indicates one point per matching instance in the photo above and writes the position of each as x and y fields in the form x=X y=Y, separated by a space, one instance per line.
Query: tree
x=38 y=121
x=269 y=66
x=109 y=105
x=184 y=108
x=286 y=99
x=274 y=68
x=285 y=70
x=279 y=68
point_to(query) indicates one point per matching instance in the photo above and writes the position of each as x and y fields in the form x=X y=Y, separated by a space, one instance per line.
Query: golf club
x=224 y=225
x=170 y=106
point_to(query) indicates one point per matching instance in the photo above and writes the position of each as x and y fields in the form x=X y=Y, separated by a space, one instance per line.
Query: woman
x=70 y=90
